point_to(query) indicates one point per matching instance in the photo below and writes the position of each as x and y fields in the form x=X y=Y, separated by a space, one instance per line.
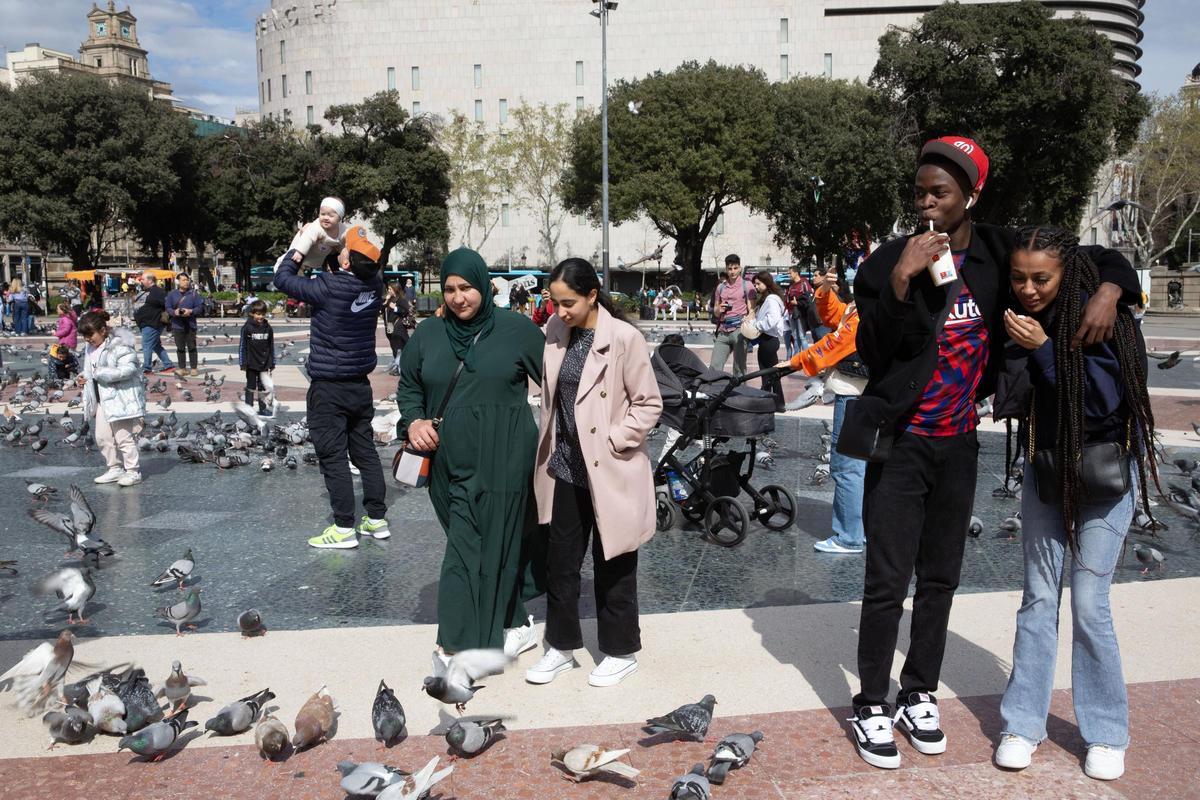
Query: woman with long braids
x=1085 y=397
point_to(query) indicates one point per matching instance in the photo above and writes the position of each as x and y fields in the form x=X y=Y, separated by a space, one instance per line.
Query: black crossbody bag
x=1103 y=468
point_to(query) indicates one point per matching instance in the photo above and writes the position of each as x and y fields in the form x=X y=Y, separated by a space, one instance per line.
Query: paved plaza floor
x=768 y=627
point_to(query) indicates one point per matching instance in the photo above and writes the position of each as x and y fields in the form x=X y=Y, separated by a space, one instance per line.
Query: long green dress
x=481 y=481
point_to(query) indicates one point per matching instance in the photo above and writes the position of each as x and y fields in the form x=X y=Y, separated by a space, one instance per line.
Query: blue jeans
x=848 y=476
x=151 y=345
x=797 y=338
x=20 y=315
x=1097 y=683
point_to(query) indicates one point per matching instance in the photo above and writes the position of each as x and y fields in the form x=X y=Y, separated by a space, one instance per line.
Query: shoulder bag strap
x=437 y=418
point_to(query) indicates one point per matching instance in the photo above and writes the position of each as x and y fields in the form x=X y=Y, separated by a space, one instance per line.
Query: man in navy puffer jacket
x=345 y=305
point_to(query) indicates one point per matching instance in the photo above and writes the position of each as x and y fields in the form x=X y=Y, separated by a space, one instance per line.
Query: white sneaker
x=1014 y=752
x=354 y=470
x=113 y=475
x=519 y=640
x=1104 y=763
x=551 y=664
x=612 y=670
x=130 y=478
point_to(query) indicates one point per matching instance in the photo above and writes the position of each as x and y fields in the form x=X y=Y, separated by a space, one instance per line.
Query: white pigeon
x=418 y=784
x=106 y=708
x=586 y=760
x=73 y=586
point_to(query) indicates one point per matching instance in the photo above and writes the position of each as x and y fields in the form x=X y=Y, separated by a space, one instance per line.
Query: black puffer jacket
x=345 y=315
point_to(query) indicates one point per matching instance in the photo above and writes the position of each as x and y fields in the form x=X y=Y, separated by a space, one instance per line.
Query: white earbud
x=970 y=201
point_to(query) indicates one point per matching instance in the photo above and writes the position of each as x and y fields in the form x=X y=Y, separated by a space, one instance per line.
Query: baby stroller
x=711 y=408
x=61 y=363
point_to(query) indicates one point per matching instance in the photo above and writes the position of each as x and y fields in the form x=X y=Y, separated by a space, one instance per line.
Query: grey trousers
x=723 y=343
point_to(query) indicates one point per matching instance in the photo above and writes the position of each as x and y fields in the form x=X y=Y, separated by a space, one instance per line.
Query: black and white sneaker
x=918 y=716
x=872 y=726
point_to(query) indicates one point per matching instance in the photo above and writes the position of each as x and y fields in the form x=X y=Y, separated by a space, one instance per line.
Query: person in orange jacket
x=835 y=354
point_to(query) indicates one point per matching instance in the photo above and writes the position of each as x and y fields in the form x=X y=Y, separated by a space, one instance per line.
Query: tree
x=1038 y=93
x=695 y=145
x=1164 y=168
x=77 y=156
x=831 y=167
x=389 y=167
x=479 y=177
x=539 y=144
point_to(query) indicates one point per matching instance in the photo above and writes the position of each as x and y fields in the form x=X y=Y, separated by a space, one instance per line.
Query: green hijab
x=468 y=265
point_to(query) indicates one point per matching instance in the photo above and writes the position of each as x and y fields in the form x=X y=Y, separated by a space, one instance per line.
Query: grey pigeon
x=975 y=528
x=692 y=786
x=177 y=688
x=271 y=736
x=72 y=725
x=387 y=715
x=1166 y=362
x=1150 y=557
x=454 y=682
x=691 y=720
x=250 y=623
x=183 y=612
x=369 y=778
x=732 y=752
x=73 y=586
x=1186 y=465
x=178 y=572
x=470 y=738
x=1011 y=525
x=418 y=784
x=239 y=716
x=586 y=760
x=77 y=528
x=141 y=707
x=40 y=491
x=155 y=740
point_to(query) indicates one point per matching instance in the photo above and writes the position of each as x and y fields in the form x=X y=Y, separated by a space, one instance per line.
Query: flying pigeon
x=39 y=672
x=73 y=586
x=453 y=682
x=77 y=528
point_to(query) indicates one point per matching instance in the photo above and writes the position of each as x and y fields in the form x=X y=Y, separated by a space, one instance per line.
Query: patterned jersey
x=947 y=406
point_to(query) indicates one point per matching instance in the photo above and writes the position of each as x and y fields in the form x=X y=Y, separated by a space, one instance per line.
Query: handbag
x=411 y=467
x=1103 y=468
x=863 y=435
x=749 y=329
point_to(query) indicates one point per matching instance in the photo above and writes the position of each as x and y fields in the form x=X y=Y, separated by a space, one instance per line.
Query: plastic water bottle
x=678 y=488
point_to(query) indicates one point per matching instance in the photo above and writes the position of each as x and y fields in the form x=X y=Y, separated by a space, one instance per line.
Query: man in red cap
x=933 y=352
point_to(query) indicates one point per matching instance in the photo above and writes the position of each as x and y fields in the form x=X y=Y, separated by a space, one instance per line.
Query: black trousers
x=768 y=356
x=916 y=509
x=572 y=526
x=339 y=421
x=185 y=344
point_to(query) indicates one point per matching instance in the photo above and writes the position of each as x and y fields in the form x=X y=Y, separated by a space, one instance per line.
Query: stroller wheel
x=692 y=513
x=667 y=513
x=726 y=521
x=780 y=512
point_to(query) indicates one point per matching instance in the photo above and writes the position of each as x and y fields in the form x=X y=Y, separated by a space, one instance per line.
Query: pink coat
x=65 y=331
x=617 y=405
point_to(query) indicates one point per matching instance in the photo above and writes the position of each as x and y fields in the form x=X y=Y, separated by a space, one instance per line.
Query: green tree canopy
x=695 y=145
x=1037 y=93
x=832 y=166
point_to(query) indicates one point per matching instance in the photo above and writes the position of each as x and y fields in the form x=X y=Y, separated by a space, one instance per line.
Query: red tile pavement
x=803 y=755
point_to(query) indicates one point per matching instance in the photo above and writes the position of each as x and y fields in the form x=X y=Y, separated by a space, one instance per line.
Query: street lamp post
x=601 y=13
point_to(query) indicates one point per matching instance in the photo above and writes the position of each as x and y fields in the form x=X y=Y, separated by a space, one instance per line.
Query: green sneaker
x=333 y=539
x=377 y=529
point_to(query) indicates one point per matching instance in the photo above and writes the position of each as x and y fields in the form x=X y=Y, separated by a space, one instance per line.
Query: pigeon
x=77 y=527
x=271 y=736
x=1166 y=362
x=691 y=720
x=1012 y=525
x=73 y=586
x=8 y=566
x=1182 y=501
x=141 y=706
x=732 y=752
x=177 y=688
x=183 y=612
x=106 y=708
x=369 y=778
x=453 y=682
x=418 y=784
x=155 y=740
x=586 y=760
x=470 y=738
x=1186 y=465
x=239 y=716
x=387 y=715
x=250 y=623
x=315 y=719
x=165 y=403
x=40 y=491
x=39 y=672
x=975 y=528
x=72 y=725
x=634 y=106
x=1148 y=523
x=1150 y=557
x=178 y=571
x=692 y=786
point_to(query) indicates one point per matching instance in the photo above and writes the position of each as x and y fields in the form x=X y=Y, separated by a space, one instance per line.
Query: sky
x=205 y=48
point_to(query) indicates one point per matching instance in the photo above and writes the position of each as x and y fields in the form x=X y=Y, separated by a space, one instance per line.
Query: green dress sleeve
x=410 y=394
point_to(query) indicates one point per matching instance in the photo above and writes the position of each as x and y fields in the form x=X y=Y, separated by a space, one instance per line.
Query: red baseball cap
x=965 y=153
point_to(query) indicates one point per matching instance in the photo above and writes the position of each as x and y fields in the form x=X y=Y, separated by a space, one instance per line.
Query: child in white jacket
x=318 y=239
x=113 y=393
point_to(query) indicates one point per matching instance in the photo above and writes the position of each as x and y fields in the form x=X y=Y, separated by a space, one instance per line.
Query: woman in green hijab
x=481 y=481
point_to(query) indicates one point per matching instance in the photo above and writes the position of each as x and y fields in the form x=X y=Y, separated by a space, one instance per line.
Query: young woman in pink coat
x=593 y=478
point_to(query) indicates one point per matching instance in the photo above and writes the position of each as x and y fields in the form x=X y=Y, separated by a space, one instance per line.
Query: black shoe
x=918 y=716
x=872 y=727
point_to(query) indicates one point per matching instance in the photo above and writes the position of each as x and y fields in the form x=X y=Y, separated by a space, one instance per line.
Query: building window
x=268 y=90
x=505 y=217
x=391 y=75
x=478 y=76
x=287 y=114
x=503 y=111
x=283 y=85
x=579 y=73
x=262 y=94
x=416 y=108
x=260 y=59
x=829 y=65
x=479 y=111
x=783 y=31
x=416 y=79
x=99 y=61
x=1093 y=235
x=310 y=116
x=783 y=68
x=308 y=81
x=133 y=66
x=579 y=104
x=282 y=52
